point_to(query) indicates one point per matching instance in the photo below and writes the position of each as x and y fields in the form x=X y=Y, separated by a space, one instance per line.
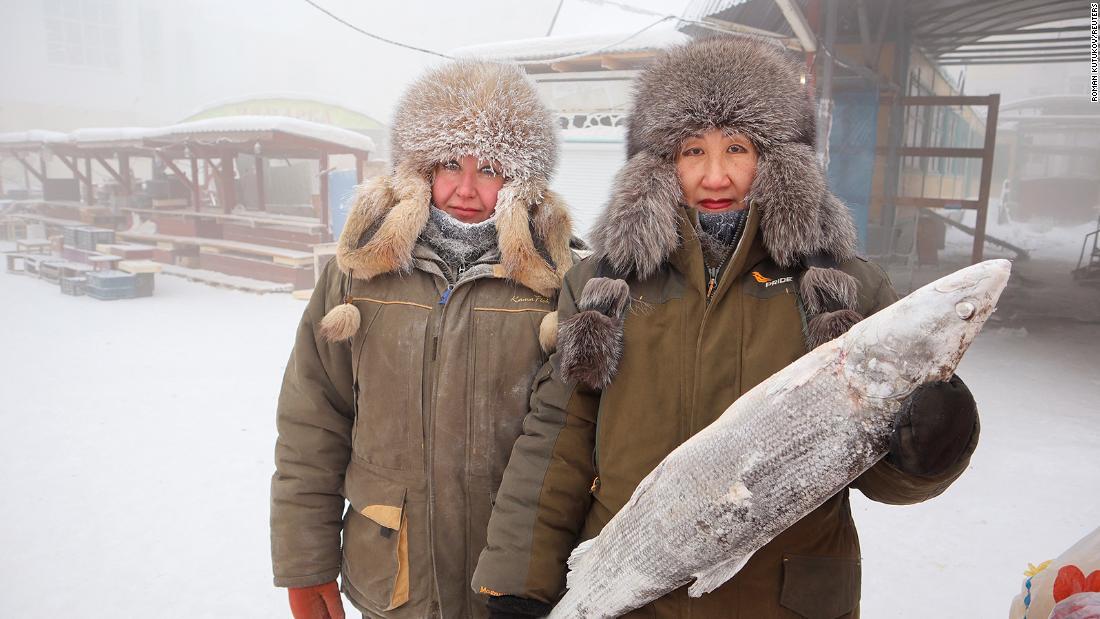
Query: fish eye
x=965 y=310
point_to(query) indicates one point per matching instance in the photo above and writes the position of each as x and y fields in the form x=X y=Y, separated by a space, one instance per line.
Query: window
x=82 y=33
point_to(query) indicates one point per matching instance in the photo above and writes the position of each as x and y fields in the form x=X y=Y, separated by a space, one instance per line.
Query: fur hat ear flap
x=787 y=189
x=402 y=216
x=591 y=341
x=518 y=256
x=829 y=326
x=638 y=230
x=552 y=224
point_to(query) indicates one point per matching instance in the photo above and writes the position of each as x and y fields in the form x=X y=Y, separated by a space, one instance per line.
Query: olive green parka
x=409 y=379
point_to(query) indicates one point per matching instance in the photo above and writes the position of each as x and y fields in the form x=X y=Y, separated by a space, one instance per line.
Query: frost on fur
x=829 y=326
x=825 y=290
x=590 y=346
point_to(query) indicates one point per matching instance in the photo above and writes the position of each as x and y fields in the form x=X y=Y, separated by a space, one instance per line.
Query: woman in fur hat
x=413 y=363
x=721 y=258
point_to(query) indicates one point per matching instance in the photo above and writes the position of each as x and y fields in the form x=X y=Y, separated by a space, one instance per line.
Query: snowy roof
x=547 y=48
x=222 y=126
x=300 y=97
x=283 y=124
x=34 y=136
x=112 y=134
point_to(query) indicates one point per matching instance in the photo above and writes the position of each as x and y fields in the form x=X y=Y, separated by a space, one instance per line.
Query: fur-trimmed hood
x=744 y=85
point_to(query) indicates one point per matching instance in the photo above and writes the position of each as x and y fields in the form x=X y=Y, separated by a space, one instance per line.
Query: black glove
x=512 y=607
x=933 y=428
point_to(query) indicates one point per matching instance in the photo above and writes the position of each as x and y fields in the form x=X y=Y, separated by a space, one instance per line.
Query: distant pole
x=323 y=165
x=196 y=197
x=555 y=19
x=90 y=188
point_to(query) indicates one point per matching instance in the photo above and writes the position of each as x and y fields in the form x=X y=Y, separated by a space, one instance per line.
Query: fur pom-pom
x=590 y=346
x=824 y=290
x=829 y=326
x=607 y=296
x=340 y=323
x=548 y=333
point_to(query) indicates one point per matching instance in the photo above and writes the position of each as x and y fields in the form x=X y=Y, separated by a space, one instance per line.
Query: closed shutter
x=584 y=177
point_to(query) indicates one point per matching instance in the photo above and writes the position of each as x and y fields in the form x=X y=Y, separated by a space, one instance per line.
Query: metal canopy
x=950 y=32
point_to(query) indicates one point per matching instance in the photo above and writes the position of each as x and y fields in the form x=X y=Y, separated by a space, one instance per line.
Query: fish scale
x=778 y=452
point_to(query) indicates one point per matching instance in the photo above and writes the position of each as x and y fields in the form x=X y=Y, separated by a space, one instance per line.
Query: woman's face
x=716 y=170
x=467 y=190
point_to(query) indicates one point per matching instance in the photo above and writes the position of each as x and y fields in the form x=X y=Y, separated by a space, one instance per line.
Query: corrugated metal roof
x=948 y=31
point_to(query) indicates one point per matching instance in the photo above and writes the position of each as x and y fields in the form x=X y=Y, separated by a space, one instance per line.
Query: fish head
x=922 y=337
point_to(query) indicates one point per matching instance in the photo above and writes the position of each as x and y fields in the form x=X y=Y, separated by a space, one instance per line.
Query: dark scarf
x=719 y=234
x=458 y=244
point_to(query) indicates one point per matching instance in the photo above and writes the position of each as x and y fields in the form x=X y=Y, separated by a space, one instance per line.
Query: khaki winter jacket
x=685 y=360
x=411 y=418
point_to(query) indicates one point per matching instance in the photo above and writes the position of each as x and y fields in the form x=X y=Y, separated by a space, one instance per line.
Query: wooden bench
x=103 y=262
x=33 y=246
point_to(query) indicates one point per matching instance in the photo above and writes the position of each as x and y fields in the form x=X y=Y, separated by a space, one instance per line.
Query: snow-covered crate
x=88 y=237
x=50 y=270
x=111 y=279
x=68 y=235
x=73 y=286
x=108 y=294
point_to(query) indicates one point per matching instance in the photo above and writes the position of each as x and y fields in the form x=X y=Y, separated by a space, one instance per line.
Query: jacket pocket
x=376 y=543
x=820 y=587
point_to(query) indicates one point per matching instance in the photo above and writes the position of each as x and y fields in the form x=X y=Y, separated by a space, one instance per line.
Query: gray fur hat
x=737 y=84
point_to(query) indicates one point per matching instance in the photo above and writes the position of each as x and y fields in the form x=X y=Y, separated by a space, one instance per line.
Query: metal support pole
x=897 y=130
x=987 y=177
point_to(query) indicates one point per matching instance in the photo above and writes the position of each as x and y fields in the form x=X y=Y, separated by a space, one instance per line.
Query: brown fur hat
x=486 y=110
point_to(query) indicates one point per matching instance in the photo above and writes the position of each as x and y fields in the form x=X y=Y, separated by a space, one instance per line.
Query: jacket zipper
x=429 y=386
x=712 y=287
x=715 y=273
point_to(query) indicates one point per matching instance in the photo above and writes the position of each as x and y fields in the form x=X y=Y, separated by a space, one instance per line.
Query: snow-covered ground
x=136 y=446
